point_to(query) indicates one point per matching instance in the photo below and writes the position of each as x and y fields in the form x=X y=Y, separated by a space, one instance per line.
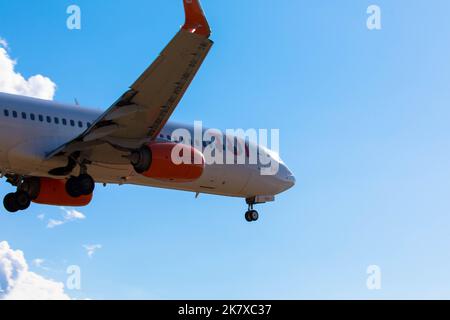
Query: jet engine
x=169 y=162
x=52 y=192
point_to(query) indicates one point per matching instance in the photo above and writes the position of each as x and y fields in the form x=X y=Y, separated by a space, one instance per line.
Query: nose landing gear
x=251 y=215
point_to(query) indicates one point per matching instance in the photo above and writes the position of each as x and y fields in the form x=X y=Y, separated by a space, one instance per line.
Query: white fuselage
x=31 y=128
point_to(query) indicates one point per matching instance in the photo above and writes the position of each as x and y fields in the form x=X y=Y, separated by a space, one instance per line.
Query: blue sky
x=363 y=117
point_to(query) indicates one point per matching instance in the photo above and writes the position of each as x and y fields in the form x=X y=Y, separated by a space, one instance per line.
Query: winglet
x=195 y=18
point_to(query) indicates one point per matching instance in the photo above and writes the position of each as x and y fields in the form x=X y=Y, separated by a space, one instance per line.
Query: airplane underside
x=55 y=154
x=222 y=180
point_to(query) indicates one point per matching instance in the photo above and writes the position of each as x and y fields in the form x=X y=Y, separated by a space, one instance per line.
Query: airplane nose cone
x=290 y=180
x=275 y=184
x=286 y=178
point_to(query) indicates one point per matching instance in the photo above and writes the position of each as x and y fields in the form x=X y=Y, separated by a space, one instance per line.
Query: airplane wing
x=141 y=112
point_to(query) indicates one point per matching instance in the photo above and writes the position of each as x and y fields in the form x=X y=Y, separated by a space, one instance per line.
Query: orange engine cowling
x=155 y=161
x=53 y=192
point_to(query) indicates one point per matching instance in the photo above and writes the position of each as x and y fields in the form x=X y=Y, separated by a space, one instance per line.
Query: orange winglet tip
x=195 y=18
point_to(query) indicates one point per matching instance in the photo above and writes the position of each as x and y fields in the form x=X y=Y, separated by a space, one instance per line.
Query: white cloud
x=92 y=248
x=38 y=262
x=73 y=215
x=54 y=223
x=17 y=282
x=41 y=216
x=11 y=81
x=3 y=43
x=68 y=216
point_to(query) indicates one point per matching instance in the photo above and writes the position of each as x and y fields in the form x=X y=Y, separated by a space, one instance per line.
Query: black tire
x=254 y=215
x=10 y=203
x=248 y=216
x=72 y=188
x=86 y=184
x=23 y=200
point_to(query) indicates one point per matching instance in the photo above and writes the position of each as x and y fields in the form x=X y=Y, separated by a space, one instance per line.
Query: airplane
x=55 y=153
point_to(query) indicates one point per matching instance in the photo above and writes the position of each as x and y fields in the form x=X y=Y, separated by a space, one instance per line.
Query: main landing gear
x=83 y=185
x=21 y=199
x=251 y=215
x=76 y=186
x=17 y=201
x=28 y=190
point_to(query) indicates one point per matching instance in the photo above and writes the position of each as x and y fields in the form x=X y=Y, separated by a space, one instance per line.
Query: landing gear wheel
x=251 y=216
x=87 y=184
x=254 y=215
x=23 y=200
x=10 y=203
x=83 y=185
x=73 y=188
